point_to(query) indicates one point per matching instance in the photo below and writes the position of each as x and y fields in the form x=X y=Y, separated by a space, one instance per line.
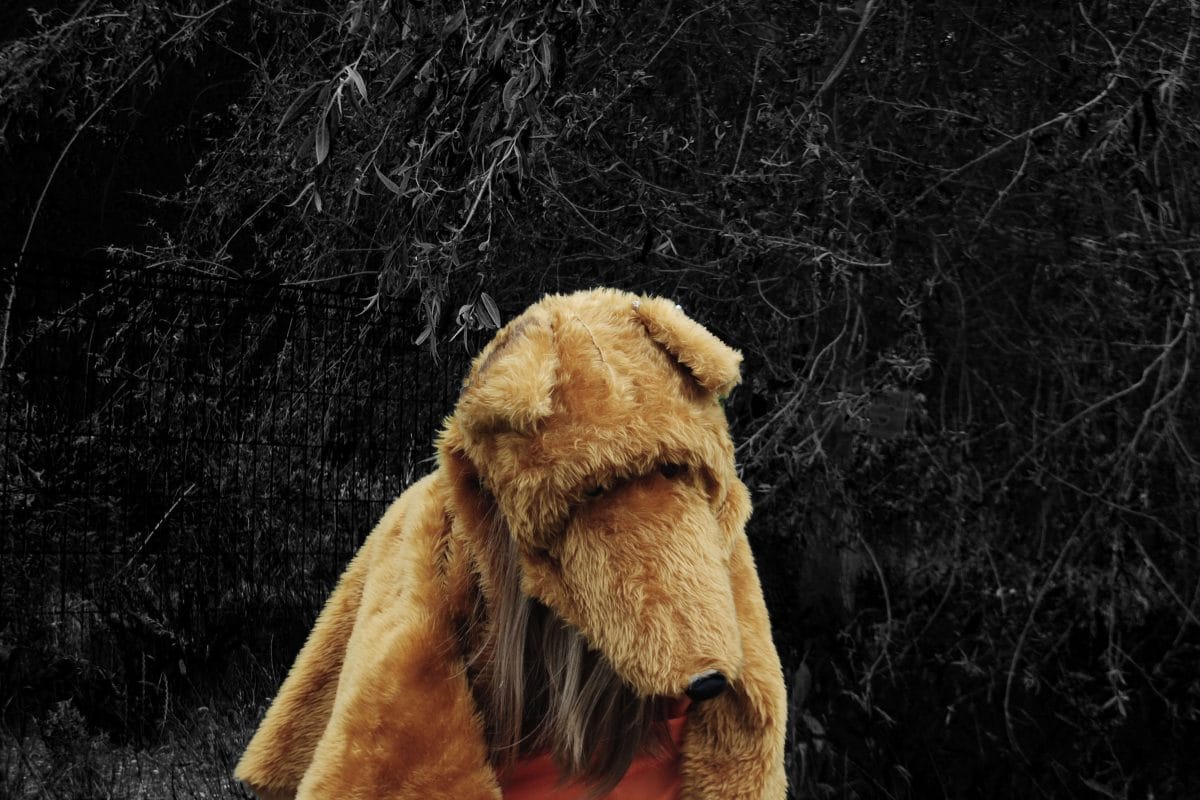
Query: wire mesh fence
x=187 y=464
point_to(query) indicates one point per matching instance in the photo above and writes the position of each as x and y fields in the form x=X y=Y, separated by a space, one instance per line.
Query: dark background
x=249 y=246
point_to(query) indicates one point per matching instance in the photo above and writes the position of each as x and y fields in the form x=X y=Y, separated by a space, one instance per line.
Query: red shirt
x=648 y=778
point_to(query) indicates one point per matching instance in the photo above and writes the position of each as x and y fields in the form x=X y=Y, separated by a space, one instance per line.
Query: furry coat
x=591 y=435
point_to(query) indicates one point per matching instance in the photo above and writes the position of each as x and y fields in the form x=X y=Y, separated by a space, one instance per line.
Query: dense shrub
x=979 y=220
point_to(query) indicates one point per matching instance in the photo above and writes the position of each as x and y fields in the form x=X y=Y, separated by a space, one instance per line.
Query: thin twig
x=749 y=107
x=868 y=13
x=1020 y=173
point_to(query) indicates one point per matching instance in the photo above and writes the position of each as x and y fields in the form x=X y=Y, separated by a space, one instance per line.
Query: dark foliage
x=956 y=242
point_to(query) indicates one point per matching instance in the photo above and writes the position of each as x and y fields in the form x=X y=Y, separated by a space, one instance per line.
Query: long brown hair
x=544 y=690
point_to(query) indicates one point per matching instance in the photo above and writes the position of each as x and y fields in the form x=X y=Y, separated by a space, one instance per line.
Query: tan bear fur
x=561 y=430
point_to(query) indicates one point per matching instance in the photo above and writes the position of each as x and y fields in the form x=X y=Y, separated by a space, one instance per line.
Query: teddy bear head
x=591 y=435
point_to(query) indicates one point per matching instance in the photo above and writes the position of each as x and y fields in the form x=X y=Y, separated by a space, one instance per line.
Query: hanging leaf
x=512 y=91
x=322 y=139
x=535 y=77
x=317 y=201
x=405 y=71
x=454 y=22
x=388 y=183
x=428 y=72
x=498 y=43
x=356 y=17
x=335 y=119
x=489 y=305
x=801 y=686
x=477 y=127
x=299 y=104
x=325 y=98
x=409 y=22
x=358 y=82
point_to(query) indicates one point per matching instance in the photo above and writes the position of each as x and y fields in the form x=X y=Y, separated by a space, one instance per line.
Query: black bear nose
x=706 y=685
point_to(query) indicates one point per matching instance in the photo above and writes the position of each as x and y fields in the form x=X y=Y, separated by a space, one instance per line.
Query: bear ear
x=714 y=365
x=511 y=383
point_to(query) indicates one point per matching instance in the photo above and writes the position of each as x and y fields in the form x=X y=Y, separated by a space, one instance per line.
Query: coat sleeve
x=282 y=749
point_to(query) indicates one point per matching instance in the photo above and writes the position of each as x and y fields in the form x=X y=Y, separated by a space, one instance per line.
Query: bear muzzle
x=706 y=685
